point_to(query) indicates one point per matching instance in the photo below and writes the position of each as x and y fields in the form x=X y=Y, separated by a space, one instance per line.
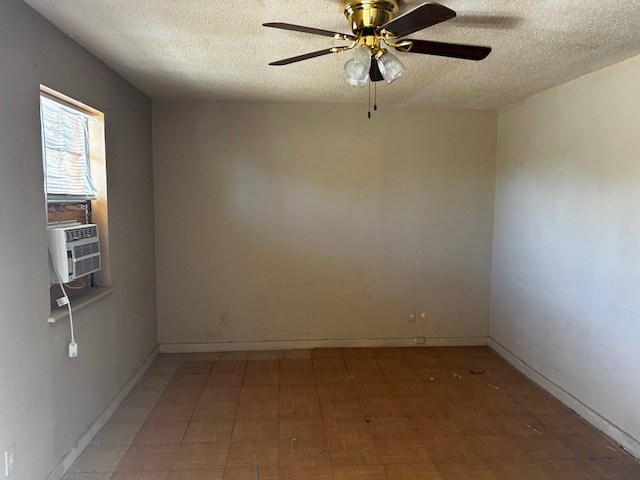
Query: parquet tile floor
x=346 y=414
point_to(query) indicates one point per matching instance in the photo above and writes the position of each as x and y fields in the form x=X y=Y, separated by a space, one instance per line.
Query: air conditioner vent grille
x=86 y=249
x=87 y=265
x=81 y=233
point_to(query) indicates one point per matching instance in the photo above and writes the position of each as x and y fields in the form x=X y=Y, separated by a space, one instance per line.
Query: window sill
x=79 y=302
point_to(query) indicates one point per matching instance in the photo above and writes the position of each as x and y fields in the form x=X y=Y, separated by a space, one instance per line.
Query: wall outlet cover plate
x=9 y=460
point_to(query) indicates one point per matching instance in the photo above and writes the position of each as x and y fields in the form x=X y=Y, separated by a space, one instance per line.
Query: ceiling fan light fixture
x=390 y=67
x=356 y=70
x=357 y=83
x=375 y=23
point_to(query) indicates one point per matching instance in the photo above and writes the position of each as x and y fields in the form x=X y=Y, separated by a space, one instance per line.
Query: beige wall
x=46 y=399
x=566 y=262
x=307 y=223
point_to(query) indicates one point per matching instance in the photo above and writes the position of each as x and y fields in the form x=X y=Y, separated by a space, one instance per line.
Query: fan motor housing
x=370 y=14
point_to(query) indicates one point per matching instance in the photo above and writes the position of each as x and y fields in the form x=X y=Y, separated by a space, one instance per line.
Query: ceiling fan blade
x=453 y=50
x=306 y=56
x=424 y=16
x=314 y=31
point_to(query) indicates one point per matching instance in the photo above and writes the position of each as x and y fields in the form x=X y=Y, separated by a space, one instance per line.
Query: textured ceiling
x=217 y=49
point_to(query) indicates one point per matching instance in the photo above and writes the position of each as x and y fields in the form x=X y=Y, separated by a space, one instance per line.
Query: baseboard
x=65 y=463
x=614 y=432
x=321 y=343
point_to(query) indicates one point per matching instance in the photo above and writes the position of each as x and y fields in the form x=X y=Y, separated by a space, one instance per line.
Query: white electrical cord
x=64 y=292
x=73 y=346
x=79 y=287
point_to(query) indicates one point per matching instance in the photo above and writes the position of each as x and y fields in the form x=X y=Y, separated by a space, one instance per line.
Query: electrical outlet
x=224 y=318
x=412 y=316
x=420 y=340
x=9 y=460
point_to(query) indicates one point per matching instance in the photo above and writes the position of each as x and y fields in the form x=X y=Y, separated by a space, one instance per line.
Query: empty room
x=319 y=240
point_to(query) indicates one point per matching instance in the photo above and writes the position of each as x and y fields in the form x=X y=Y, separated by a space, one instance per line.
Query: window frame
x=96 y=206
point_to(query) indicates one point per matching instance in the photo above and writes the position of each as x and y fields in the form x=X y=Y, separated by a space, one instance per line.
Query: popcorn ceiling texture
x=218 y=50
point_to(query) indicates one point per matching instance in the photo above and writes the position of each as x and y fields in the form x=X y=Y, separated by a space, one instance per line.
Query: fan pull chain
x=369 y=102
x=375 y=97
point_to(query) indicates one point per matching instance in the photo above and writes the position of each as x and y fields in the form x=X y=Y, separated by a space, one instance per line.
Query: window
x=74 y=164
x=65 y=146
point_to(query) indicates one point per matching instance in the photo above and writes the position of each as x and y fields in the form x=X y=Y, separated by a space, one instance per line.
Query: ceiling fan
x=376 y=25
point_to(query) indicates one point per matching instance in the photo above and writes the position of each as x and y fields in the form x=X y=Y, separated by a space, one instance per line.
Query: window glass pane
x=66 y=150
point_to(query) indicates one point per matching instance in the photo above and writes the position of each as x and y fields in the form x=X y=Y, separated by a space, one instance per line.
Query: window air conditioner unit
x=75 y=251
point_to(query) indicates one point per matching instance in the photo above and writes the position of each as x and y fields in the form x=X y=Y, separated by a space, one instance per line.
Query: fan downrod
x=370 y=14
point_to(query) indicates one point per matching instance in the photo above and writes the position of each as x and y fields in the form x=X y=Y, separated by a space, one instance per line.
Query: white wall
x=46 y=399
x=308 y=223
x=566 y=261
